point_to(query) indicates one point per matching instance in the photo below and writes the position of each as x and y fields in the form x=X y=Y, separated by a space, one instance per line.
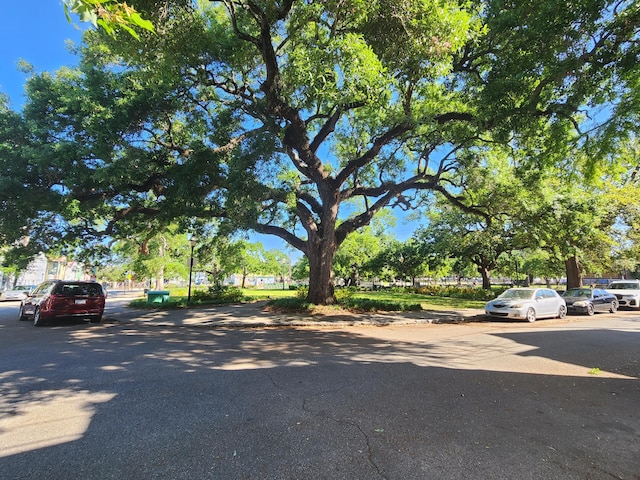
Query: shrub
x=218 y=294
x=344 y=294
x=291 y=303
x=467 y=293
x=341 y=294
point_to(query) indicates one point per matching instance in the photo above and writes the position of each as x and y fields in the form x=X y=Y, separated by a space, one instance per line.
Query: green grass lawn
x=250 y=293
x=427 y=302
x=260 y=294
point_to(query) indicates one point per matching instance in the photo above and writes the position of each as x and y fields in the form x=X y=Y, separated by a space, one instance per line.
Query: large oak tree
x=304 y=119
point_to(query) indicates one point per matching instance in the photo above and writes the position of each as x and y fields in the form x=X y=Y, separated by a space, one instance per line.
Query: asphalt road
x=557 y=399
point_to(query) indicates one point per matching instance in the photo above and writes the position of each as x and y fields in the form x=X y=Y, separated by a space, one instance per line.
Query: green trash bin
x=157 y=296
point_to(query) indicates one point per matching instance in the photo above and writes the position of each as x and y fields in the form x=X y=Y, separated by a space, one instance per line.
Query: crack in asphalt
x=351 y=423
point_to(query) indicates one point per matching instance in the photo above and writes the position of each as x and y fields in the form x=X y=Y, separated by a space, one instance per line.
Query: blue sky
x=36 y=31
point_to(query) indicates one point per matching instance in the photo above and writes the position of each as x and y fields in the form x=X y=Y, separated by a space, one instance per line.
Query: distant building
x=35 y=273
x=42 y=268
x=252 y=280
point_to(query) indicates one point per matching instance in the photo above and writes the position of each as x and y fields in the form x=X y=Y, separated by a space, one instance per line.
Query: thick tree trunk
x=486 y=280
x=354 y=280
x=574 y=272
x=160 y=279
x=321 y=290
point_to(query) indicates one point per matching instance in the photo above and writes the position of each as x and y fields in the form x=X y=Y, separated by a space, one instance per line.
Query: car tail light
x=54 y=299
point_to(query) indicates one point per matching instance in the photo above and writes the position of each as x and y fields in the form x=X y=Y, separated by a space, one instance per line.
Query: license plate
x=81 y=301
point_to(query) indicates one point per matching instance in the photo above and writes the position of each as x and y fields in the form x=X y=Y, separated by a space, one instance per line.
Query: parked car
x=590 y=300
x=19 y=292
x=60 y=298
x=626 y=291
x=527 y=304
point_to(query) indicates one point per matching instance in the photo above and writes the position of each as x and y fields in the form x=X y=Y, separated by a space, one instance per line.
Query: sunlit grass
x=179 y=298
x=268 y=294
x=381 y=299
x=250 y=293
x=428 y=302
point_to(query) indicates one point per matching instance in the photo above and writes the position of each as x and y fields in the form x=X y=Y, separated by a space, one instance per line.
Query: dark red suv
x=62 y=299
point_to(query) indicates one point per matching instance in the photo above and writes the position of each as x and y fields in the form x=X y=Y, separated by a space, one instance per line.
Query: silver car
x=527 y=304
x=19 y=292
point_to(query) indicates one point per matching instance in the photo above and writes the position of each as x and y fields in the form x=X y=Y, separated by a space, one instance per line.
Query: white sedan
x=527 y=304
x=19 y=292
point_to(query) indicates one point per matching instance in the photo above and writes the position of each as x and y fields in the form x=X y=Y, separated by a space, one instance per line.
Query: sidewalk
x=258 y=314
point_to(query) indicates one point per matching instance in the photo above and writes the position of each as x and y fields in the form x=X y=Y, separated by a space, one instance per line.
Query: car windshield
x=520 y=293
x=624 y=286
x=21 y=287
x=578 y=292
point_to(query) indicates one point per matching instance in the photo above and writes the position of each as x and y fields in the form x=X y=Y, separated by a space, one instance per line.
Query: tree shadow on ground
x=204 y=403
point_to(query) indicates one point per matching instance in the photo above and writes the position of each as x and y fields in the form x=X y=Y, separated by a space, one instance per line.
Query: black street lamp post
x=192 y=241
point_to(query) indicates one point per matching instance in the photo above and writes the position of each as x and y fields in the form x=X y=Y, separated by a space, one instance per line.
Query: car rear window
x=578 y=292
x=79 y=290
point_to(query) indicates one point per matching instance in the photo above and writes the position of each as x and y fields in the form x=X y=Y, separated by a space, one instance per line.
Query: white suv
x=627 y=292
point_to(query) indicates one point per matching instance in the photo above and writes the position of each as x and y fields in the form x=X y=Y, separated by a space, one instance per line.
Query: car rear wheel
x=590 y=309
x=96 y=319
x=562 y=311
x=531 y=315
x=37 y=321
x=614 y=307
